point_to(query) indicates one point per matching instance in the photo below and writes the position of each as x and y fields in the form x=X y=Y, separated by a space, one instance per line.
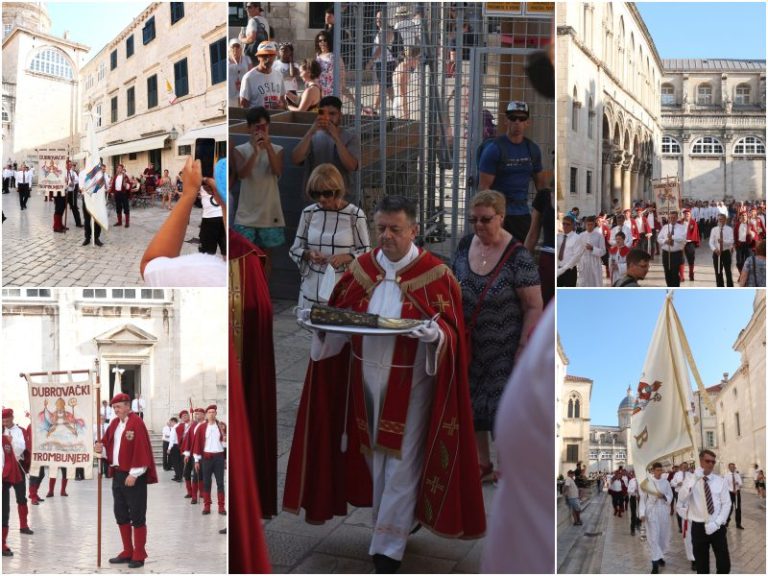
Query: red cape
x=11 y=470
x=250 y=309
x=692 y=233
x=322 y=480
x=135 y=447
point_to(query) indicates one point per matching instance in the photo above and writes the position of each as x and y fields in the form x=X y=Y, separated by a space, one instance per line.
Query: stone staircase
x=156 y=440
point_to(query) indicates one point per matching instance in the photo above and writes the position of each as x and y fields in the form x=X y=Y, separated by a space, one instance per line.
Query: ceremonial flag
x=169 y=91
x=92 y=183
x=61 y=408
x=662 y=417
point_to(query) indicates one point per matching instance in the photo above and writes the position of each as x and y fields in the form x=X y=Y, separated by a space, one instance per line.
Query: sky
x=706 y=29
x=605 y=336
x=92 y=23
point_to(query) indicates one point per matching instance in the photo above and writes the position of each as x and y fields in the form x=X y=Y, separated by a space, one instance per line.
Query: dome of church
x=30 y=15
x=626 y=403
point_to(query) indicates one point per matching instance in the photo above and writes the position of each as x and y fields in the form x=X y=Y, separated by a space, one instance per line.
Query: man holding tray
x=385 y=418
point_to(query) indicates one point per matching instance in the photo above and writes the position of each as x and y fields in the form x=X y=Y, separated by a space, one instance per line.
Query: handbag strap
x=511 y=248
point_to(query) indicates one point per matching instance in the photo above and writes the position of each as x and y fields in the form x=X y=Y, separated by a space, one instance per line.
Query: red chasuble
x=250 y=317
x=135 y=448
x=11 y=471
x=322 y=480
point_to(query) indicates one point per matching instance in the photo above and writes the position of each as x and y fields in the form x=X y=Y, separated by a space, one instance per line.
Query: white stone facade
x=573 y=397
x=713 y=118
x=173 y=342
x=608 y=75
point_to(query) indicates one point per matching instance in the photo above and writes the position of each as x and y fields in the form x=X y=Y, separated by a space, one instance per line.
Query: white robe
x=590 y=265
x=395 y=480
x=656 y=512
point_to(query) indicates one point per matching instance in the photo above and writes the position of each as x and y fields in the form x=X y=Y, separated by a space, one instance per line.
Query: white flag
x=92 y=183
x=661 y=426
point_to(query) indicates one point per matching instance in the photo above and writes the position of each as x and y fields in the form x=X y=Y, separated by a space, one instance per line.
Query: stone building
x=609 y=445
x=573 y=397
x=171 y=345
x=608 y=75
x=713 y=122
x=124 y=86
x=41 y=91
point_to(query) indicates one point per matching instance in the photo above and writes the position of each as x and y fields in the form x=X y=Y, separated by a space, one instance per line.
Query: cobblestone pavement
x=179 y=540
x=340 y=545
x=33 y=255
x=618 y=552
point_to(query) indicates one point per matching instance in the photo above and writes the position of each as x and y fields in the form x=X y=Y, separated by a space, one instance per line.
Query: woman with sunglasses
x=331 y=232
x=501 y=296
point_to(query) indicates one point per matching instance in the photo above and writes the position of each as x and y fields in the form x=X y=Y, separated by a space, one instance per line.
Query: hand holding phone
x=204 y=151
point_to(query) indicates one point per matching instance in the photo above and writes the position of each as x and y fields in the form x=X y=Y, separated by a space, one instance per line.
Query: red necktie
x=708 y=494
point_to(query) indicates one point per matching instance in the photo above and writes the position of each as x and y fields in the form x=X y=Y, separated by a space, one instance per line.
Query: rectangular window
x=572 y=453
x=113 y=60
x=131 y=102
x=148 y=32
x=181 y=78
x=591 y=124
x=177 y=11
x=124 y=293
x=185 y=150
x=742 y=96
x=102 y=71
x=574 y=183
x=738 y=426
x=218 y=51
x=98 y=115
x=129 y=47
x=710 y=439
x=94 y=293
x=114 y=109
x=149 y=294
x=589 y=181
x=668 y=96
x=152 y=91
x=132 y=155
x=704 y=95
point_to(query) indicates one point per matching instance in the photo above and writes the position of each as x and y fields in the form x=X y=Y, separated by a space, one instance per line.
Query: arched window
x=6 y=116
x=577 y=408
x=668 y=95
x=670 y=146
x=742 y=95
x=749 y=146
x=575 y=104
x=570 y=408
x=53 y=62
x=704 y=94
x=707 y=146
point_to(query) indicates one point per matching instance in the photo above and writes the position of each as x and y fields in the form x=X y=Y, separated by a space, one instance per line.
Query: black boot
x=655 y=567
x=385 y=564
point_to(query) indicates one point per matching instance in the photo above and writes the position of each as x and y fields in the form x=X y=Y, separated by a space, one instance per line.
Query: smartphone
x=205 y=149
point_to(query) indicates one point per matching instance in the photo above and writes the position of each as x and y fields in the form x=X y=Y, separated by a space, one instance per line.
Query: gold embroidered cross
x=451 y=426
x=434 y=484
x=441 y=303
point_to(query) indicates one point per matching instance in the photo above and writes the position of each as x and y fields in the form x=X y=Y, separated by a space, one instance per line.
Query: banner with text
x=52 y=170
x=61 y=409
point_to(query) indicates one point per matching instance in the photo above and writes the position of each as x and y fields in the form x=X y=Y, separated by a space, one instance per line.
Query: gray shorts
x=574 y=504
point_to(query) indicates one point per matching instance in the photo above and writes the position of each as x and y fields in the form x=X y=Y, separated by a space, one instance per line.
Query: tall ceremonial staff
x=101 y=467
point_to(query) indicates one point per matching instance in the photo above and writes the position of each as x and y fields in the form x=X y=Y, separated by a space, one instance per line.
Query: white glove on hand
x=698 y=474
x=710 y=528
x=426 y=333
x=303 y=314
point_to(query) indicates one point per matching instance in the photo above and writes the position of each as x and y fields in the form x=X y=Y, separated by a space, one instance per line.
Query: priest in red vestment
x=386 y=421
x=129 y=453
x=250 y=309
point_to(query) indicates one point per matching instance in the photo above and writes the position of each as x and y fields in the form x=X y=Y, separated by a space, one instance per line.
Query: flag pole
x=98 y=485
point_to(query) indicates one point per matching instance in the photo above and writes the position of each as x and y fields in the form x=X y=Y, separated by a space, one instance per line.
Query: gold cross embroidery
x=441 y=303
x=451 y=426
x=434 y=484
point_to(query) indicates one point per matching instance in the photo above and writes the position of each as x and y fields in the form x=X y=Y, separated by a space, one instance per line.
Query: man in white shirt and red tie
x=127 y=448
x=733 y=479
x=706 y=495
x=208 y=450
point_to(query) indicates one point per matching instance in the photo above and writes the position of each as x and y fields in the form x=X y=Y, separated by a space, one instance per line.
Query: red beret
x=211 y=407
x=7 y=412
x=120 y=398
x=182 y=413
x=686 y=210
x=200 y=410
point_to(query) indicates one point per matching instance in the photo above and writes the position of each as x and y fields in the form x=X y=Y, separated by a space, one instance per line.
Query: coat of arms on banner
x=646 y=393
x=60 y=429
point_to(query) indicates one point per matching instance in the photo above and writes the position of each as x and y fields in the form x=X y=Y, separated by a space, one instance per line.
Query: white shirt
x=210 y=208
x=7 y=173
x=627 y=229
x=24 y=178
x=237 y=71
x=173 y=441
x=570 y=489
x=17 y=441
x=107 y=413
x=632 y=487
x=167 y=433
x=679 y=478
x=714 y=238
x=212 y=440
x=262 y=89
x=135 y=472
x=252 y=28
x=137 y=405
x=692 y=493
x=733 y=478
x=572 y=253
x=678 y=235
x=119 y=183
x=70 y=179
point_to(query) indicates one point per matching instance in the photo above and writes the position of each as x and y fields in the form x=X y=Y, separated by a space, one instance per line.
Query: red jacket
x=126 y=184
x=11 y=470
x=135 y=448
x=198 y=444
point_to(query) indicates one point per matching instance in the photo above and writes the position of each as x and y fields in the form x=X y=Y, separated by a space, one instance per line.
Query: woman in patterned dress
x=331 y=232
x=498 y=320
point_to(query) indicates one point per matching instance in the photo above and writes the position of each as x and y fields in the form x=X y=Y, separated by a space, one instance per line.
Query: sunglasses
x=316 y=194
x=515 y=118
x=483 y=219
x=322 y=41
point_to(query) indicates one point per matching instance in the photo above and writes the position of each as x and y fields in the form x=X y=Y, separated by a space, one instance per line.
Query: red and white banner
x=62 y=412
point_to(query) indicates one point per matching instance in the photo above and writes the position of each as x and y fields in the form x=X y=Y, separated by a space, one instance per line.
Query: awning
x=217 y=131
x=142 y=145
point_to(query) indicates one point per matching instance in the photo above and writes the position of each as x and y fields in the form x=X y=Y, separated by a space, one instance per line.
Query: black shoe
x=188 y=496
x=655 y=568
x=7 y=553
x=693 y=565
x=26 y=531
x=661 y=562
x=206 y=512
x=98 y=242
x=416 y=528
x=120 y=560
x=632 y=532
x=739 y=526
x=78 y=225
x=385 y=564
x=135 y=563
x=223 y=531
x=86 y=241
x=222 y=512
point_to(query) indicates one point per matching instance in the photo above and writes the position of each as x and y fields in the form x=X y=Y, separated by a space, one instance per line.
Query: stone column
x=637 y=191
x=626 y=181
x=605 y=193
x=616 y=158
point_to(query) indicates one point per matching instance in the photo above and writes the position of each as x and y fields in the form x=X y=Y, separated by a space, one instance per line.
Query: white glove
x=698 y=474
x=427 y=333
x=710 y=528
x=302 y=314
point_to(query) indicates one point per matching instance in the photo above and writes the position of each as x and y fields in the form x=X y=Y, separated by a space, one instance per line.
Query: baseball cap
x=234 y=42
x=267 y=48
x=517 y=106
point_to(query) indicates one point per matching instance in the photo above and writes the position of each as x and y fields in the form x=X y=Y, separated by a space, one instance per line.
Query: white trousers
x=657 y=523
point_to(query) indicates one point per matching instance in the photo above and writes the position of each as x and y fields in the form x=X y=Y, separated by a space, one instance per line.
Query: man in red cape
x=250 y=319
x=129 y=453
x=352 y=442
x=692 y=241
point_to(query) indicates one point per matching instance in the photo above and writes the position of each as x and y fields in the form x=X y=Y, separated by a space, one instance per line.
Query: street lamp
x=174 y=133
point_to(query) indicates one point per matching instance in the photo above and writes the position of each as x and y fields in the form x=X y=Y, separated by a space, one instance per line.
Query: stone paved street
x=33 y=255
x=179 y=540
x=341 y=545
x=604 y=544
